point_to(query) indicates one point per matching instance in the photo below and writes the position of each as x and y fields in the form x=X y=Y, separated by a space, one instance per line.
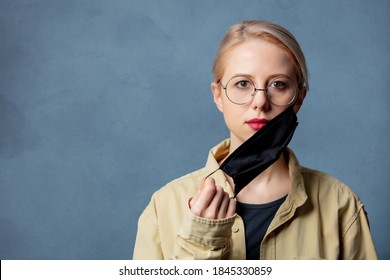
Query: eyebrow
x=268 y=77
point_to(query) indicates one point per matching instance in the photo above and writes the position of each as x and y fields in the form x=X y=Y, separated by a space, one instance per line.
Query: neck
x=272 y=184
x=235 y=142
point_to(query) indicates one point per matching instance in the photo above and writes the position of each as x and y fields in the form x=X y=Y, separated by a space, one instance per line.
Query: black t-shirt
x=257 y=218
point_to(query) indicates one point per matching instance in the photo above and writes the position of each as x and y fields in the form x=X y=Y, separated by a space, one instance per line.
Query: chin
x=238 y=139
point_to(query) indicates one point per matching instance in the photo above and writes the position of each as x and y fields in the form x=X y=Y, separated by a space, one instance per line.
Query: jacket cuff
x=206 y=232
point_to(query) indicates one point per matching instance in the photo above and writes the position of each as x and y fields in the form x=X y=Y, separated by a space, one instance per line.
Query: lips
x=257 y=124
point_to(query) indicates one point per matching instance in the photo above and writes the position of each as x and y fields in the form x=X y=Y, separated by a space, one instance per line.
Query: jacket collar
x=297 y=195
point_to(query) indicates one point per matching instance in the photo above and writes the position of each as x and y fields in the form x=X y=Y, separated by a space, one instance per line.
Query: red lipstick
x=257 y=124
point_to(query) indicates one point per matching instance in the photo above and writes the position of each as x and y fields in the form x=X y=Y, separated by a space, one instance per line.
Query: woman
x=253 y=200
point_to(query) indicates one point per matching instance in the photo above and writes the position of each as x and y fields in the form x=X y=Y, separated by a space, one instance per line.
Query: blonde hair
x=270 y=32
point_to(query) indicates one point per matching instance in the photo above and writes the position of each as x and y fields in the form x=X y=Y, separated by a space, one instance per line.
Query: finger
x=207 y=192
x=212 y=210
x=203 y=198
x=223 y=207
x=194 y=199
x=231 y=210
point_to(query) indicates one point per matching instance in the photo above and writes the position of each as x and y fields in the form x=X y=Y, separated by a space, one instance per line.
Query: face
x=262 y=62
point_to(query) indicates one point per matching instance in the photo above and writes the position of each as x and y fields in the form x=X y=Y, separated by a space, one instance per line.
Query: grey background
x=104 y=102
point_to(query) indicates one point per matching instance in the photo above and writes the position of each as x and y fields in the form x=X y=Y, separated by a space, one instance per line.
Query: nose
x=260 y=100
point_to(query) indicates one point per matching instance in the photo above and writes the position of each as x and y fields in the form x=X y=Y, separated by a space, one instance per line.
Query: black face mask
x=261 y=150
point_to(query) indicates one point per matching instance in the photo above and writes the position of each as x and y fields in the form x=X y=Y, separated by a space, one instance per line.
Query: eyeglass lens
x=241 y=90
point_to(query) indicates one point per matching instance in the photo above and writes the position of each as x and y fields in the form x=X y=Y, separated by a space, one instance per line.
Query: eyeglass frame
x=265 y=90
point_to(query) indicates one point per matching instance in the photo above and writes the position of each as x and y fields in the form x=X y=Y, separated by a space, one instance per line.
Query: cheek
x=233 y=115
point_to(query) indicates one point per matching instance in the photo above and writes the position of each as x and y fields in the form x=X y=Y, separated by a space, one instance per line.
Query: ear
x=301 y=97
x=217 y=94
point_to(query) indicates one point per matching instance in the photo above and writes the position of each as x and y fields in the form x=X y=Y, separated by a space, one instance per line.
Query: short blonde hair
x=263 y=30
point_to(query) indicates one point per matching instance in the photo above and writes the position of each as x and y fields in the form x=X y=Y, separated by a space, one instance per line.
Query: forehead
x=260 y=59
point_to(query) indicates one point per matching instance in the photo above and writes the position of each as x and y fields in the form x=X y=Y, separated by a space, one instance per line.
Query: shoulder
x=330 y=191
x=320 y=179
x=318 y=184
x=182 y=187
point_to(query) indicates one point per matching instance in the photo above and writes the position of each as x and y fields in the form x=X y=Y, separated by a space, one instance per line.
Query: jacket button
x=235 y=229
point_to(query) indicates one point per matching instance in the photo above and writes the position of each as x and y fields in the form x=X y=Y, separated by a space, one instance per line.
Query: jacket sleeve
x=147 y=244
x=189 y=237
x=357 y=240
x=203 y=239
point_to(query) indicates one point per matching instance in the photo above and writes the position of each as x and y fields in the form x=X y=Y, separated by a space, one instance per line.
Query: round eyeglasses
x=241 y=90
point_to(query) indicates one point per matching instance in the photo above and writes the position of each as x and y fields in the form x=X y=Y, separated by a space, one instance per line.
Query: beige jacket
x=321 y=218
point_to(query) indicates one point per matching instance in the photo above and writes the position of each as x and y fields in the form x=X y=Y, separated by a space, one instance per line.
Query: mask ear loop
x=234 y=196
x=210 y=174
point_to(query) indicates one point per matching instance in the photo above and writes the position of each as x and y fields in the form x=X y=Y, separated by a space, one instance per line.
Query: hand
x=212 y=202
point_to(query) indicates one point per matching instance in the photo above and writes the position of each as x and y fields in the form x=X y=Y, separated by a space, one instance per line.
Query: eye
x=243 y=84
x=280 y=85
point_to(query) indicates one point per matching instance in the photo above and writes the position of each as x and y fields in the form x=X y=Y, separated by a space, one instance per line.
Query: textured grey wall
x=103 y=102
